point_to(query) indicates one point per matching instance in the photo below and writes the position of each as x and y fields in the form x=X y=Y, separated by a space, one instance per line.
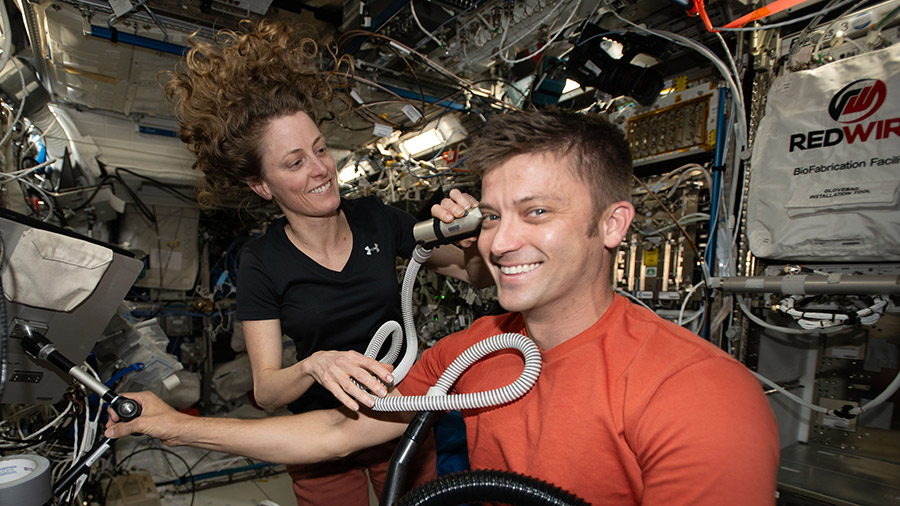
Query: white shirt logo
x=372 y=250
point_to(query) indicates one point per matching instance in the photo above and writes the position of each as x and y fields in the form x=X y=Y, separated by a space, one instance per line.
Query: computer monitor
x=73 y=332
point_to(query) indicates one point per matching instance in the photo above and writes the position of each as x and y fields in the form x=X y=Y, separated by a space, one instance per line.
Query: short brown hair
x=232 y=88
x=597 y=151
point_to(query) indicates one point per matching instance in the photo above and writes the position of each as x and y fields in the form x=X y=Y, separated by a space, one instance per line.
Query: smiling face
x=535 y=239
x=298 y=171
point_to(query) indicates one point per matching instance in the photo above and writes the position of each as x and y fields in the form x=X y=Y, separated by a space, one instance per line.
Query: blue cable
x=718 y=163
x=137 y=366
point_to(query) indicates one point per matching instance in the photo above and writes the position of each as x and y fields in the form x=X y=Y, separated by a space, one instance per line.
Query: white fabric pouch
x=53 y=271
x=825 y=173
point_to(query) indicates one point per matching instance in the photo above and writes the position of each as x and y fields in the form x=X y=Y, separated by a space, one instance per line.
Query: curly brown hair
x=232 y=88
x=596 y=150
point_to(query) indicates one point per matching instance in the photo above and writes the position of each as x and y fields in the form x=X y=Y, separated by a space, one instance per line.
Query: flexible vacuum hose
x=437 y=398
x=389 y=328
x=479 y=485
x=393 y=329
x=491 y=486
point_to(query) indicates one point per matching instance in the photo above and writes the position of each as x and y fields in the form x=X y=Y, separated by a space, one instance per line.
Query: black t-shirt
x=321 y=309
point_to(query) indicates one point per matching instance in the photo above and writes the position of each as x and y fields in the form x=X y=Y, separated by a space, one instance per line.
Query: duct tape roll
x=24 y=480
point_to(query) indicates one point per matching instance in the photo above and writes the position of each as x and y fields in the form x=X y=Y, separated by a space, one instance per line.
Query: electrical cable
x=789 y=395
x=12 y=125
x=32 y=440
x=665 y=209
x=687 y=298
x=703 y=50
x=683 y=172
x=90 y=198
x=633 y=298
x=45 y=197
x=138 y=203
x=487 y=99
x=887 y=17
x=8 y=177
x=565 y=25
x=886 y=394
x=686 y=171
x=784 y=330
x=735 y=194
x=374 y=118
x=190 y=476
x=4 y=324
x=889 y=391
x=697 y=314
x=115 y=17
x=480 y=96
x=801 y=39
x=5 y=37
x=158 y=22
x=825 y=32
x=412 y=10
x=159 y=184
x=501 y=49
x=415 y=77
x=405 y=49
x=734 y=69
x=815 y=320
x=454 y=17
x=684 y=220
x=739 y=117
x=780 y=24
x=459 y=81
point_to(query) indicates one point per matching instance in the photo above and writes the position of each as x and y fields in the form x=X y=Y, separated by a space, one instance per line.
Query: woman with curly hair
x=323 y=274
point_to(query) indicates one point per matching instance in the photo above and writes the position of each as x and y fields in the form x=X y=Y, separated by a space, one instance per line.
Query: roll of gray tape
x=24 y=480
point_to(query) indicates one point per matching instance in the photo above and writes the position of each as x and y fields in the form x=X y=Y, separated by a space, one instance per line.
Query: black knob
x=127 y=409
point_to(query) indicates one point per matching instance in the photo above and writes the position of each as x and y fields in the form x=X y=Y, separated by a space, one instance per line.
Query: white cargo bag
x=826 y=164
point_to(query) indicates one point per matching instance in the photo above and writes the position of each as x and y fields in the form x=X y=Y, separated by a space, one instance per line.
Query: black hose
x=489 y=486
x=398 y=470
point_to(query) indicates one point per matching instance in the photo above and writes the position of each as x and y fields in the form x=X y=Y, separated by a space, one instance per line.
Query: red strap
x=767 y=10
x=700 y=8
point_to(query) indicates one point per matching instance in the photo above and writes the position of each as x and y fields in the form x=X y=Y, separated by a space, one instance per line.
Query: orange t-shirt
x=634 y=410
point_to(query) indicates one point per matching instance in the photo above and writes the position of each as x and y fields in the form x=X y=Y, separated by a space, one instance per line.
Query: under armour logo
x=373 y=249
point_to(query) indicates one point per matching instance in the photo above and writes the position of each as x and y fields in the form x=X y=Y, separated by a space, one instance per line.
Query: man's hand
x=336 y=370
x=455 y=206
x=157 y=419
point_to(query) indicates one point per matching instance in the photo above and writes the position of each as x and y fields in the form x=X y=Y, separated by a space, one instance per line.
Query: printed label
x=852 y=194
x=412 y=113
x=382 y=130
x=120 y=7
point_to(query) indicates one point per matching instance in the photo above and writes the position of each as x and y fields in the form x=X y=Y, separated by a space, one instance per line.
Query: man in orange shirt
x=629 y=409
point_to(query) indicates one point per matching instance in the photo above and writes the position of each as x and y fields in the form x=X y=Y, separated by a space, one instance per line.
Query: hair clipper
x=434 y=232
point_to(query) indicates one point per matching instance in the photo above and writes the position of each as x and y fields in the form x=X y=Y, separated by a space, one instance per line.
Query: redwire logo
x=852 y=104
x=857 y=101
